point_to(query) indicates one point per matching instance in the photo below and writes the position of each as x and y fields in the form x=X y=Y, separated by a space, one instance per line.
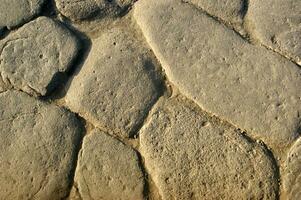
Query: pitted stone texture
x=277 y=24
x=38 y=145
x=116 y=86
x=84 y=9
x=191 y=156
x=32 y=58
x=230 y=11
x=16 y=12
x=108 y=169
x=292 y=173
x=246 y=85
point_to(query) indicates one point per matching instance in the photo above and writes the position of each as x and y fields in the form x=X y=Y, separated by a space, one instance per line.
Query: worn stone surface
x=108 y=169
x=116 y=86
x=277 y=24
x=32 y=58
x=230 y=11
x=38 y=145
x=249 y=86
x=16 y=12
x=84 y=9
x=193 y=156
x=292 y=173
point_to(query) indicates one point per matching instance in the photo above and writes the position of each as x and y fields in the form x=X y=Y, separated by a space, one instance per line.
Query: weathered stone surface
x=108 y=169
x=292 y=173
x=32 y=57
x=16 y=12
x=193 y=156
x=247 y=85
x=116 y=86
x=79 y=10
x=38 y=145
x=276 y=23
x=230 y=11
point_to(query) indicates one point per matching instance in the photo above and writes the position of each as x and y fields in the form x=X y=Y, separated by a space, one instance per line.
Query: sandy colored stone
x=192 y=156
x=277 y=24
x=32 y=58
x=116 y=85
x=230 y=11
x=292 y=173
x=247 y=85
x=107 y=169
x=16 y=12
x=38 y=144
x=84 y=9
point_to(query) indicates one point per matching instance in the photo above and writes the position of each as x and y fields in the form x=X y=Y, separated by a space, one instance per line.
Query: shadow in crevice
x=244 y=9
x=60 y=82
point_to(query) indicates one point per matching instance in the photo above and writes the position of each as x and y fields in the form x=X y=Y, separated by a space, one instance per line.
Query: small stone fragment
x=116 y=86
x=108 y=169
x=38 y=146
x=292 y=173
x=32 y=58
x=17 y=12
x=190 y=161
x=84 y=9
x=249 y=86
x=277 y=24
x=230 y=11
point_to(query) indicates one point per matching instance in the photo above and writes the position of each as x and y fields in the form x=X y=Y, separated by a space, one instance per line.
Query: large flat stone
x=276 y=23
x=16 y=12
x=84 y=9
x=292 y=173
x=249 y=86
x=117 y=85
x=38 y=144
x=32 y=58
x=108 y=169
x=230 y=11
x=190 y=155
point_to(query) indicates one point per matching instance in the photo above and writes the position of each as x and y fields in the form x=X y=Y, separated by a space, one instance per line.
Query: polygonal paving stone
x=79 y=10
x=249 y=86
x=108 y=169
x=116 y=86
x=17 y=12
x=292 y=173
x=230 y=11
x=32 y=58
x=277 y=24
x=38 y=144
x=192 y=156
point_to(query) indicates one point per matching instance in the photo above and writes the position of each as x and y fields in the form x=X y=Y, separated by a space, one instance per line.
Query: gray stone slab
x=17 y=12
x=190 y=155
x=33 y=56
x=108 y=169
x=38 y=144
x=276 y=23
x=249 y=86
x=116 y=85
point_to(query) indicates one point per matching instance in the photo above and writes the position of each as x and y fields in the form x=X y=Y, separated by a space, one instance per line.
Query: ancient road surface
x=150 y=99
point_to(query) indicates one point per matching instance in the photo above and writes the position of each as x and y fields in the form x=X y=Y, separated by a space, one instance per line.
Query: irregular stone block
x=193 y=156
x=32 y=58
x=249 y=86
x=116 y=86
x=276 y=24
x=38 y=145
x=230 y=11
x=108 y=169
x=80 y=10
x=292 y=173
x=17 y=12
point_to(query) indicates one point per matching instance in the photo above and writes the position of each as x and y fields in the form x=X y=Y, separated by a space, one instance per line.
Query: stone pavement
x=150 y=99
